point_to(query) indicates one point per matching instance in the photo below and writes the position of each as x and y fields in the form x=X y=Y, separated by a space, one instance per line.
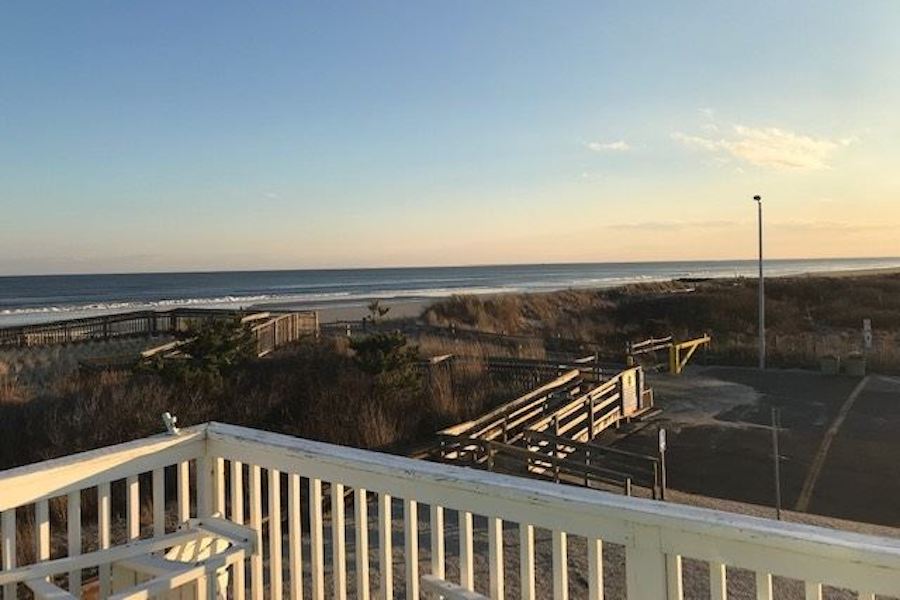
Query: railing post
x=495 y=557
x=560 y=561
x=526 y=561
x=205 y=479
x=645 y=565
x=8 y=547
x=590 y=418
x=385 y=547
x=411 y=547
x=674 y=366
x=673 y=577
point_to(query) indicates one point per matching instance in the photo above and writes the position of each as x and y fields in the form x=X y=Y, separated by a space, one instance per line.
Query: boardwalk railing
x=550 y=465
x=507 y=422
x=643 y=470
x=148 y=323
x=276 y=330
x=570 y=405
x=258 y=479
x=270 y=332
x=569 y=411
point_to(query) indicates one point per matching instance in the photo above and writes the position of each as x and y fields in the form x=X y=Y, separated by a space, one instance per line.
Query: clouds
x=616 y=146
x=769 y=147
x=732 y=226
x=676 y=225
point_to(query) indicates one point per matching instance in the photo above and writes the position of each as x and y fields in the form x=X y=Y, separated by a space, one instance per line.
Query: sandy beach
x=413 y=308
x=399 y=309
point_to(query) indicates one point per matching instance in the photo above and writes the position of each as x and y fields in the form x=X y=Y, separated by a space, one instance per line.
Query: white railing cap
x=38 y=481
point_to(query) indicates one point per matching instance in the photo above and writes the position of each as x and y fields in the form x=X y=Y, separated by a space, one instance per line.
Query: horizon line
x=460 y=266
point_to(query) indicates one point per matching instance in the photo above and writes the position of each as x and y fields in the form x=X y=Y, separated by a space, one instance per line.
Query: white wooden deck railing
x=293 y=492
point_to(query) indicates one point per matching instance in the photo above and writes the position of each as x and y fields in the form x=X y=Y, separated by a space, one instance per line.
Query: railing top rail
x=535 y=457
x=607 y=388
x=549 y=437
x=499 y=412
x=651 y=344
x=58 y=476
x=82 y=321
x=120 y=317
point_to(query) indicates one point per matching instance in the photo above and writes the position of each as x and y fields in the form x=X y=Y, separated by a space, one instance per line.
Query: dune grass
x=807 y=317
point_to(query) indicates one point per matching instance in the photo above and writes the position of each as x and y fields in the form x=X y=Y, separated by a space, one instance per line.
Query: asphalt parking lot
x=720 y=440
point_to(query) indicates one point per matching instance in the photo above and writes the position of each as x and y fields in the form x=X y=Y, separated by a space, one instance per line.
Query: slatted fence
x=276 y=328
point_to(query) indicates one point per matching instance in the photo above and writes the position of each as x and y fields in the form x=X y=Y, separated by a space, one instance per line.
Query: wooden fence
x=279 y=330
x=642 y=469
x=498 y=457
x=274 y=329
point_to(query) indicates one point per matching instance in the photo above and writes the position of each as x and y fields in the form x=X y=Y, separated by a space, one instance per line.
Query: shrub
x=215 y=348
x=390 y=361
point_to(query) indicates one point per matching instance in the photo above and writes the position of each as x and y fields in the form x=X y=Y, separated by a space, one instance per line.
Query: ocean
x=42 y=298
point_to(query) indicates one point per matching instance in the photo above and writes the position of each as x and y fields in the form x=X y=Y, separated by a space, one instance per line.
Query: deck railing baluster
x=73 y=521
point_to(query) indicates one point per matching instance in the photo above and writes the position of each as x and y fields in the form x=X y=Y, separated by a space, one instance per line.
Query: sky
x=171 y=135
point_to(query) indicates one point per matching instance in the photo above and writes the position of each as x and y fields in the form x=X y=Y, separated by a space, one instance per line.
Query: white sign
x=662 y=440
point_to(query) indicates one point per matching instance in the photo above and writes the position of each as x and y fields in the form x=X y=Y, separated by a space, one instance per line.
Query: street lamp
x=762 y=288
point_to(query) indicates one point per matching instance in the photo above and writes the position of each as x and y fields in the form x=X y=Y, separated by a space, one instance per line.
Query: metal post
x=762 y=288
x=662 y=463
x=656 y=481
x=776 y=457
x=587 y=465
x=777 y=461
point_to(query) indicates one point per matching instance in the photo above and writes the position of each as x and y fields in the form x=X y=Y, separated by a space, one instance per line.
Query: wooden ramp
x=549 y=433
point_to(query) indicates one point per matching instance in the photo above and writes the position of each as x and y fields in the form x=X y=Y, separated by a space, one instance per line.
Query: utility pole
x=762 y=289
x=776 y=457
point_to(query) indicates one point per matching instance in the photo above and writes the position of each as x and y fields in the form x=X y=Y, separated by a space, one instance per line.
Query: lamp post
x=762 y=288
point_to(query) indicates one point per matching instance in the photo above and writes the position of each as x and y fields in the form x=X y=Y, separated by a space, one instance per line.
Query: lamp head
x=758 y=198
